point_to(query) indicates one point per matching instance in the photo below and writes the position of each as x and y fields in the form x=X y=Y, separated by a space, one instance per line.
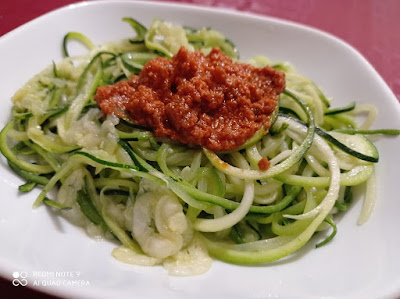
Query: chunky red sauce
x=196 y=99
x=263 y=164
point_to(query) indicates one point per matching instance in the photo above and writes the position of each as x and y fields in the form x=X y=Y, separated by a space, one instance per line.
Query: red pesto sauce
x=196 y=99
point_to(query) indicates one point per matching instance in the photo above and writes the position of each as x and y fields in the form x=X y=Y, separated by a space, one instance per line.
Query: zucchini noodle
x=173 y=205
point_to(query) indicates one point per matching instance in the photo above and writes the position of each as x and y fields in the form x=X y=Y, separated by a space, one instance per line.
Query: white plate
x=361 y=262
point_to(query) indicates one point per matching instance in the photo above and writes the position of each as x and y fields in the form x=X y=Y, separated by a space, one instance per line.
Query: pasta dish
x=169 y=144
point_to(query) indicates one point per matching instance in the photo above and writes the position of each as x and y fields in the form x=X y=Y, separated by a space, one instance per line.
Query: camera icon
x=20 y=279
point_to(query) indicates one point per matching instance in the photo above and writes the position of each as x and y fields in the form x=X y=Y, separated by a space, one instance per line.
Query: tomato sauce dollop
x=196 y=99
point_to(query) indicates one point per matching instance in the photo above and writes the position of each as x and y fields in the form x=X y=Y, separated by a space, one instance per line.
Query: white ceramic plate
x=361 y=262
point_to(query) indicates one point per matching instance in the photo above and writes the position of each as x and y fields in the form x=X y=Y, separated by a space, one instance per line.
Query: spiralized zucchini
x=170 y=204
